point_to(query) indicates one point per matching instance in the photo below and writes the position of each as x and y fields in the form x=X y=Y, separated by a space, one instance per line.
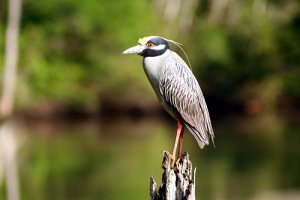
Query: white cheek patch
x=159 y=47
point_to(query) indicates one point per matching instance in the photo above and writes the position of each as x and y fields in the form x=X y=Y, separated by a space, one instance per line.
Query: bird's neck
x=153 y=67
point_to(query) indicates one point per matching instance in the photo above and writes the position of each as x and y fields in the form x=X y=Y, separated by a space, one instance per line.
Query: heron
x=177 y=89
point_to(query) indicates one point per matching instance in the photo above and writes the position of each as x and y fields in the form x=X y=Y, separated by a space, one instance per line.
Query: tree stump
x=178 y=183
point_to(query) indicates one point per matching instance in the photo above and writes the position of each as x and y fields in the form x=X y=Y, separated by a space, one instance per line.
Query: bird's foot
x=169 y=160
x=178 y=160
x=184 y=156
x=172 y=160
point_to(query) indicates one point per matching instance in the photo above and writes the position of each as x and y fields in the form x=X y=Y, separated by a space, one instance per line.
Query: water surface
x=254 y=158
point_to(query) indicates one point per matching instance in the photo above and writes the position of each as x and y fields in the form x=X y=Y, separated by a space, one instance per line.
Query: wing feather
x=181 y=91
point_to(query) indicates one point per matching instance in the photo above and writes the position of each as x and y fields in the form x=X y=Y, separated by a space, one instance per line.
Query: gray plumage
x=180 y=94
x=175 y=86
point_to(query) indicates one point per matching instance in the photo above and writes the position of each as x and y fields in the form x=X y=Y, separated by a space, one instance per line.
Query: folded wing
x=182 y=92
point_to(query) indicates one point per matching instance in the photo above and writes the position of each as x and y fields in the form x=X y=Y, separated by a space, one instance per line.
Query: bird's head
x=149 y=47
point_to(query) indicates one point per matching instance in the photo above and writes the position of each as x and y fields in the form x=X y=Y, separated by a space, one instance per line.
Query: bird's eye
x=149 y=45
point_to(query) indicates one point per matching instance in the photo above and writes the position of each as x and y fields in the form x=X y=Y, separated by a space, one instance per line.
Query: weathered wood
x=178 y=183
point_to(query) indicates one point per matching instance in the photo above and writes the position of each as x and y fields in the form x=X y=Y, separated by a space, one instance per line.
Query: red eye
x=149 y=45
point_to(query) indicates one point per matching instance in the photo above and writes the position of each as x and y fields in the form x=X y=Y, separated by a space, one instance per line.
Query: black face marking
x=148 y=52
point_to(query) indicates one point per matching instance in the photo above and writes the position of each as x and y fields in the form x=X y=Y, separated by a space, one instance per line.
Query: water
x=254 y=158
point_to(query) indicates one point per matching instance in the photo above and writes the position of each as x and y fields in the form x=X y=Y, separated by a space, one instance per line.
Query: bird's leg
x=179 y=130
x=180 y=142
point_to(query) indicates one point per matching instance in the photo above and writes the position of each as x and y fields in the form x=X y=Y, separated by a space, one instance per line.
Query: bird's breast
x=153 y=67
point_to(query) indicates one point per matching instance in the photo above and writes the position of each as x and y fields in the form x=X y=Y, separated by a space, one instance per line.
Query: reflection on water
x=114 y=160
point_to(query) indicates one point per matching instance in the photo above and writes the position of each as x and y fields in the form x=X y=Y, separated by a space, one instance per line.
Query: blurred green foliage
x=247 y=48
x=71 y=50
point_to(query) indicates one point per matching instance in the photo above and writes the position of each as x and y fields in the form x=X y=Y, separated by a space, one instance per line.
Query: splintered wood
x=178 y=183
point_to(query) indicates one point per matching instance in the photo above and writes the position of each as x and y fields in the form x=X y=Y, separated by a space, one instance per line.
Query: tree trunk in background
x=10 y=59
x=178 y=183
x=179 y=14
x=217 y=11
x=188 y=16
x=9 y=142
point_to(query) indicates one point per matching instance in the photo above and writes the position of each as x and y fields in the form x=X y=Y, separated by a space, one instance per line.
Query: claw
x=172 y=160
x=168 y=161
x=177 y=162
x=181 y=158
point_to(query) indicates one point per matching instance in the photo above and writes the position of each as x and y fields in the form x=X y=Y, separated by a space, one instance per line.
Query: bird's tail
x=202 y=141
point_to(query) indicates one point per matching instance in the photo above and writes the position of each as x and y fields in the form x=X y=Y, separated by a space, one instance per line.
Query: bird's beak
x=138 y=49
